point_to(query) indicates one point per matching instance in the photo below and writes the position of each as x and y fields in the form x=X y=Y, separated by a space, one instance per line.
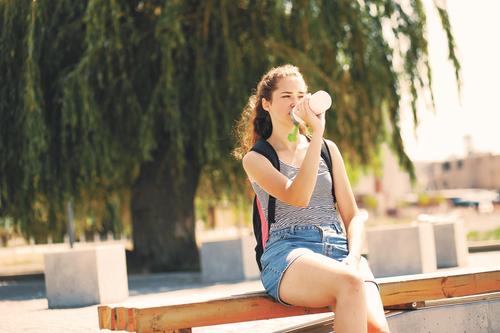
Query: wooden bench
x=398 y=293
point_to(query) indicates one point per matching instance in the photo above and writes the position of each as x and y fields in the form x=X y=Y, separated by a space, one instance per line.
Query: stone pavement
x=24 y=308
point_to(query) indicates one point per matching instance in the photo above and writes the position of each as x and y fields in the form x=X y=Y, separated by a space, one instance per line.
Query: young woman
x=308 y=259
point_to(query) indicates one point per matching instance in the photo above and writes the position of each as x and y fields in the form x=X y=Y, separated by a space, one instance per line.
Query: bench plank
x=217 y=312
x=434 y=286
x=256 y=306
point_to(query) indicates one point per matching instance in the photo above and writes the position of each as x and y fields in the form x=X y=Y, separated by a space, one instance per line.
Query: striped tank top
x=321 y=209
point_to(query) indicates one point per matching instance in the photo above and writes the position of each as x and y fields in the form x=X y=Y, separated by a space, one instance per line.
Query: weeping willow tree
x=99 y=98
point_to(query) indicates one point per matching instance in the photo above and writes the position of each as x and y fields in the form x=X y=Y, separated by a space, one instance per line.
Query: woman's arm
x=296 y=192
x=348 y=209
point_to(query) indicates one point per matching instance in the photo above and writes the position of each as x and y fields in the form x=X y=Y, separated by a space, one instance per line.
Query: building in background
x=477 y=170
x=472 y=179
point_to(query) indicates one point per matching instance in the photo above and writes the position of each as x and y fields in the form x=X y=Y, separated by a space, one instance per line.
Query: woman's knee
x=351 y=281
x=346 y=286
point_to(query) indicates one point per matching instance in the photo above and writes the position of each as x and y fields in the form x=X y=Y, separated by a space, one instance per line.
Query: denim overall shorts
x=285 y=245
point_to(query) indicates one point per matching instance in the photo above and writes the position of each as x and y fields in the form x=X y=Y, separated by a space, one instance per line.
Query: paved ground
x=23 y=306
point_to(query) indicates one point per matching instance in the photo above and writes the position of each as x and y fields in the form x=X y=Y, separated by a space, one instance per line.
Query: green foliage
x=475 y=235
x=426 y=200
x=92 y=91
x=370 y=202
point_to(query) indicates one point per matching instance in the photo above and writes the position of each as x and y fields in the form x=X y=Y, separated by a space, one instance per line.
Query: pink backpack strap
x=264 y=225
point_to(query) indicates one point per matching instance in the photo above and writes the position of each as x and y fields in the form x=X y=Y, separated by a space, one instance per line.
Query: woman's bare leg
x=377 y=322
x=314 y=280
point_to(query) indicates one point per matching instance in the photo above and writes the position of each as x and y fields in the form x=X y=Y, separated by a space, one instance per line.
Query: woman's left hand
x=352 y=261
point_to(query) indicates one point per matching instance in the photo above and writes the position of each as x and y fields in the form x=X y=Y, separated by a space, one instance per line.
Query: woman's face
x=289 y=91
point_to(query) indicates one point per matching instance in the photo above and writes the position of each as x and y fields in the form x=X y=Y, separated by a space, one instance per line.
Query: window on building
x=446 y=166
x=460 y=164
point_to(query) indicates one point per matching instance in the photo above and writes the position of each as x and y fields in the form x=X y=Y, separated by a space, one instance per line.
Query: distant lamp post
x=71 y=224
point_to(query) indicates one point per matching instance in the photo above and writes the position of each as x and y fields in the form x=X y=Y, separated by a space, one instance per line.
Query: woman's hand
x=314 y=121
x=352 y=261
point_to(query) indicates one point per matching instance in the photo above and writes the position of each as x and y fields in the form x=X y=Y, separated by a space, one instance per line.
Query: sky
x=440 y=134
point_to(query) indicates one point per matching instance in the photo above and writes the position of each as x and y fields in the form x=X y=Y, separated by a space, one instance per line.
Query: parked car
x=460 y=202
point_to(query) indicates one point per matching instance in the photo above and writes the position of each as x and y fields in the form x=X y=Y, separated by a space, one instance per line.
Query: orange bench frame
x=401 y=292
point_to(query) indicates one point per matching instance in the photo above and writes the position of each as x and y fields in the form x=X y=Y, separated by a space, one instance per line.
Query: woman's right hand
x=314 y=121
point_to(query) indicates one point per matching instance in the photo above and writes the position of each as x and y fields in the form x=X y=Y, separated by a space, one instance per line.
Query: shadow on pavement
x=28 y=287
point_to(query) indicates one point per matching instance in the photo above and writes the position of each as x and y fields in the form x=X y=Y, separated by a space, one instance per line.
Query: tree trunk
x=163 y=220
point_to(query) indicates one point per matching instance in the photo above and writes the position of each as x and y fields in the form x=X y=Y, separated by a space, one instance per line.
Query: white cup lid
x=320 y=101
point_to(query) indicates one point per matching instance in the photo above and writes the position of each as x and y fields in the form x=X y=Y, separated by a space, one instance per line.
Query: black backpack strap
x=257 y=230
x=264 y=148
x=325 y=154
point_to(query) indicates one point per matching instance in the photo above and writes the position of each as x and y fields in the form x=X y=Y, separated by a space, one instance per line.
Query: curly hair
x=255 y=122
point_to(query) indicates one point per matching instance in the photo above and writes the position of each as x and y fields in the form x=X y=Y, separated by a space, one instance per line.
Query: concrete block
x=229 y=260
x=85 y=276
x=493 y=317
x=477 y=317
x=401 y=249
x=451 y=244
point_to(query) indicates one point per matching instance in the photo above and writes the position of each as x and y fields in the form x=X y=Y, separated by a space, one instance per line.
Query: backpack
x=261 y=223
